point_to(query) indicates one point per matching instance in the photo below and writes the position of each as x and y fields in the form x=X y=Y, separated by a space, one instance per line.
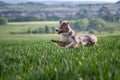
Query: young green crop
x=39 y=59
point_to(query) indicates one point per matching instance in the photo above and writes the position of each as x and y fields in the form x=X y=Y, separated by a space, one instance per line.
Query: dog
x=70 y=39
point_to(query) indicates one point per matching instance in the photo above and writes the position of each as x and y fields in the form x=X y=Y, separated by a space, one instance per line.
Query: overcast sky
x=78 y=0
x=14 y=1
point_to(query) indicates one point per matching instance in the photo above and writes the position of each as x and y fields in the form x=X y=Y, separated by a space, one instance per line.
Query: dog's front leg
x=70 y=45
x=59 y=43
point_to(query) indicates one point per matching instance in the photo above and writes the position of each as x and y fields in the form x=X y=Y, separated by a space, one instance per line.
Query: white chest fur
x=67 y=39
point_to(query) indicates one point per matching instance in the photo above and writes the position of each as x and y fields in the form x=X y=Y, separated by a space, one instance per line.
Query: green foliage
x=104 y=11
x=82 y=13
x=26 y=18
x=37 y=11
x=3 y=21
x=42 y=60
x=111 y=18
x=53 y=29
x=81 y=25
x=100 y=25
x=97 y=24
x=53 y=18
x=48 y=30
x=42 y=30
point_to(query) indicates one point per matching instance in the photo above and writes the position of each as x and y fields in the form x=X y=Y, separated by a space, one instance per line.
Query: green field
x=41 y=60
x=24 y=26
x=35 y=57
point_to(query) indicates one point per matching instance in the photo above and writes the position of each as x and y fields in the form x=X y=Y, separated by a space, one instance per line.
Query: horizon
x=80 y=0
x=16 y=1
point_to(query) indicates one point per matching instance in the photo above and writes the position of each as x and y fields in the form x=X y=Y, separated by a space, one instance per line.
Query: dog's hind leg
x=59 y=43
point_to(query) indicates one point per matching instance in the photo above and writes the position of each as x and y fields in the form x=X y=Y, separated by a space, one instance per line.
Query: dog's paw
x=54 y=40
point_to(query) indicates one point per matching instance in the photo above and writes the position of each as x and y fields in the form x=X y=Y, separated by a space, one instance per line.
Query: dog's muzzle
x=58 y=31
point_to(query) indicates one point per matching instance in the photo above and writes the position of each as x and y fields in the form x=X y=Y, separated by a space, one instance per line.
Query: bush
x=100 y=25
x=42 y=30
x=81 y=25
x=3 y=21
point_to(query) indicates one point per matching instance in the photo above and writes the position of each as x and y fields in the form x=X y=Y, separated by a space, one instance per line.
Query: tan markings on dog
x=60 y=43
x=63 y=27
x=70 y=39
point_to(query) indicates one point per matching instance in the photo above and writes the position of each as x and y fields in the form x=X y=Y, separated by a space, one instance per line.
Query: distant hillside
x=32 y=3
x=72 y=2
x=2 y=3
x=14 y=1
x=55 y=2
x=55 y=10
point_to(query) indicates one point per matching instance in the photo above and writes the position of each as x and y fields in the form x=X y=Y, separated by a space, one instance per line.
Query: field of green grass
x=35 y=57
x=24 y=26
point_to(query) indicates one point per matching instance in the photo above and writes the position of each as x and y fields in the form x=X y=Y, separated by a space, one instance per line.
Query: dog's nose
x=56 y=30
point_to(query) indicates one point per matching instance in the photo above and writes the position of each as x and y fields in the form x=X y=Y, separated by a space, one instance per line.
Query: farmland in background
x=34 y=56
x=27 y=53
x=5 y=30
x=56 y=10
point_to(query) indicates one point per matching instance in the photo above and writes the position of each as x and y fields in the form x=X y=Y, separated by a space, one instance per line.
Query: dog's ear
x=60 y=21
x=67 y=23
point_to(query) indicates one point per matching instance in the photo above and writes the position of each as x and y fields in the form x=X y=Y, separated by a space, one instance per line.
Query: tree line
x=85 y=24
x=104 y=12
x=92 y=25
x=40 y=30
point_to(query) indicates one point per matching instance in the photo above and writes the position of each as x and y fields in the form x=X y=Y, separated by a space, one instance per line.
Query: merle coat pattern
x=70 y=39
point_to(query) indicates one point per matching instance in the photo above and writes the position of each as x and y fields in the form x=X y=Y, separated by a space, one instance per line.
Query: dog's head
x=63 y=27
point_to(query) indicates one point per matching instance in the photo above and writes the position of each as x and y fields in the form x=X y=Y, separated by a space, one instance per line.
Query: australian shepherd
x=70 y=39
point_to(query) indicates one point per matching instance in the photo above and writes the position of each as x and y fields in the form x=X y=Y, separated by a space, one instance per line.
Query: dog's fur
x=70 y=39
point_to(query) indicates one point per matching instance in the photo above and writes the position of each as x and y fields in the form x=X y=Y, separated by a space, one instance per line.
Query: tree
x=81 y=25
x=53 y=18
x=53 y=29
x=100 y=25
x=84 y=23
x=48 y=29
x=104 y=11
x=97 y=24
x=82 y=13
x=41 y=30
x=3 y=21
x=29 y=30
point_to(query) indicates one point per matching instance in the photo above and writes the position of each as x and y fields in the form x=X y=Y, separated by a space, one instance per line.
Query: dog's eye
x=61 y=26
x=64 y=27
